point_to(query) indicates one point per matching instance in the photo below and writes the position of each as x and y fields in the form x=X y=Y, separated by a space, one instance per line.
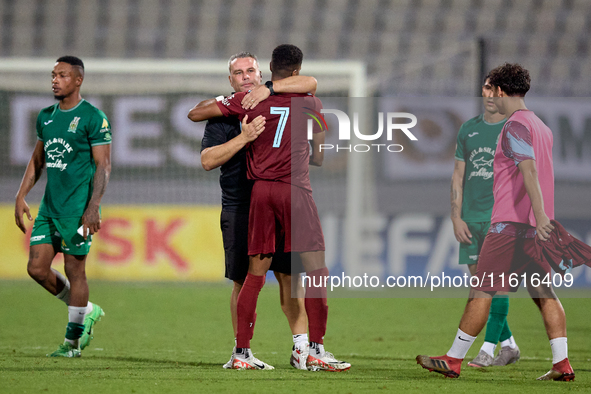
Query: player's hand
x=544 y=227
x=21 y=208
x=252 y=130
x=255 y=96
x=91 y=221
x=461 y=231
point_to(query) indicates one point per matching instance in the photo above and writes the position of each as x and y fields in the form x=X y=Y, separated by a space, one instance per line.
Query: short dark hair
x=73 y=61
x=241 y=55
x=513 y=79
x=286 y=58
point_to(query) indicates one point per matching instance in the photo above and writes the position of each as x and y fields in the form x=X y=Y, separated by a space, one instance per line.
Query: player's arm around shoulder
x=30 y=178
x=203 y=112
x=220 y=106
x=294 y=84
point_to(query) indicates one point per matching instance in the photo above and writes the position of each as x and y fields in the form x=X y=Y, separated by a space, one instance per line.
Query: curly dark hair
x=286 y=58
x=513 y=79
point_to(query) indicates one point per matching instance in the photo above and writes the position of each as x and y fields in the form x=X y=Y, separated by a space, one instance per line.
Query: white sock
x=318 y=348
x=461 y=345
x=559 y=349
x=299 y=340
x=76 y=315
x=88 y=308
x=63 y=295
x=489 y=348
x=244 y=354
x=509 y=342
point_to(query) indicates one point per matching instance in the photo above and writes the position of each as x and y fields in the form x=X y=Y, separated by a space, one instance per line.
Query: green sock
x=74 y=331
x=506 y=332
x=497 y=319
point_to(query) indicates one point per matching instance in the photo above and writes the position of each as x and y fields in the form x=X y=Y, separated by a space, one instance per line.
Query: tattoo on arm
x=454 y=206
x=101 y=178
x=455 y=209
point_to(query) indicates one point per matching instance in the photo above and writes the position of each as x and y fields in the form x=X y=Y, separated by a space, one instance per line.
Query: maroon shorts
x=281 y=211
x=504 y=257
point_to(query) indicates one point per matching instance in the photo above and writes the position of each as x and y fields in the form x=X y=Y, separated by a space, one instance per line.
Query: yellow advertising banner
x=136 y=242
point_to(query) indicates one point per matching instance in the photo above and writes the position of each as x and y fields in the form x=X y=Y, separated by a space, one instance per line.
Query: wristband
x=269 y=85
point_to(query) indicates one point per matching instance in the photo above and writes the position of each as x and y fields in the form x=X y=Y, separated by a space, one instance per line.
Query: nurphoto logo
x=344 y=123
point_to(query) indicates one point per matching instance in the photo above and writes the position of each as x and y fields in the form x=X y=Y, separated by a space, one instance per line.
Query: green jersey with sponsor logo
x=477 y=141
x=68 y=137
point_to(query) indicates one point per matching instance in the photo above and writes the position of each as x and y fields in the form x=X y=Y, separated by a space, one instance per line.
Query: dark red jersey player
x=281 y=152
x=281 y=207
x=277 y=159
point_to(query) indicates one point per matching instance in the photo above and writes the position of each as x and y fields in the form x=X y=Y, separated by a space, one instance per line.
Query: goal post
x=150 y=75
x=207 y=78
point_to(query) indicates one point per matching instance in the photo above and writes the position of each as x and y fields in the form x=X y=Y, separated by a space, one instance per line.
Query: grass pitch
x=174 y=338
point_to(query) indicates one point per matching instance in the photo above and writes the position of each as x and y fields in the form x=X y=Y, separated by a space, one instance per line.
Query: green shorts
x=62 y=233
x=469 y=253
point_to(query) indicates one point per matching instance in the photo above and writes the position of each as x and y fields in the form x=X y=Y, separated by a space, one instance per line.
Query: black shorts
x=235 y=236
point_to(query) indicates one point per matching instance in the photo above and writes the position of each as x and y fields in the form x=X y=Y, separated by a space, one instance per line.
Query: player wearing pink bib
x=524 y=205
x=525 y=145
x=524 y=137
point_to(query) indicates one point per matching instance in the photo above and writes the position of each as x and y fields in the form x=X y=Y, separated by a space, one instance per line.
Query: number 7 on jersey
x=284 y=112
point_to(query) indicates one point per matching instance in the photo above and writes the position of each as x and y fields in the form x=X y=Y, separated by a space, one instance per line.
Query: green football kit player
x=74 y=144
x=472 y=202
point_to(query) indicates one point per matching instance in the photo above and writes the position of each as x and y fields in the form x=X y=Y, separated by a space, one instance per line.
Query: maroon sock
x=246 y=308
x=316 y=306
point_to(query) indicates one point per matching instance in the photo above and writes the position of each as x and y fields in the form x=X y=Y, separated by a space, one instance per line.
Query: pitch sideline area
x=175 y=338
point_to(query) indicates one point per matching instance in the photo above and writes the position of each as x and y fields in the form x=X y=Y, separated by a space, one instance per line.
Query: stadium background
x=161 y=208
x=149 y=61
